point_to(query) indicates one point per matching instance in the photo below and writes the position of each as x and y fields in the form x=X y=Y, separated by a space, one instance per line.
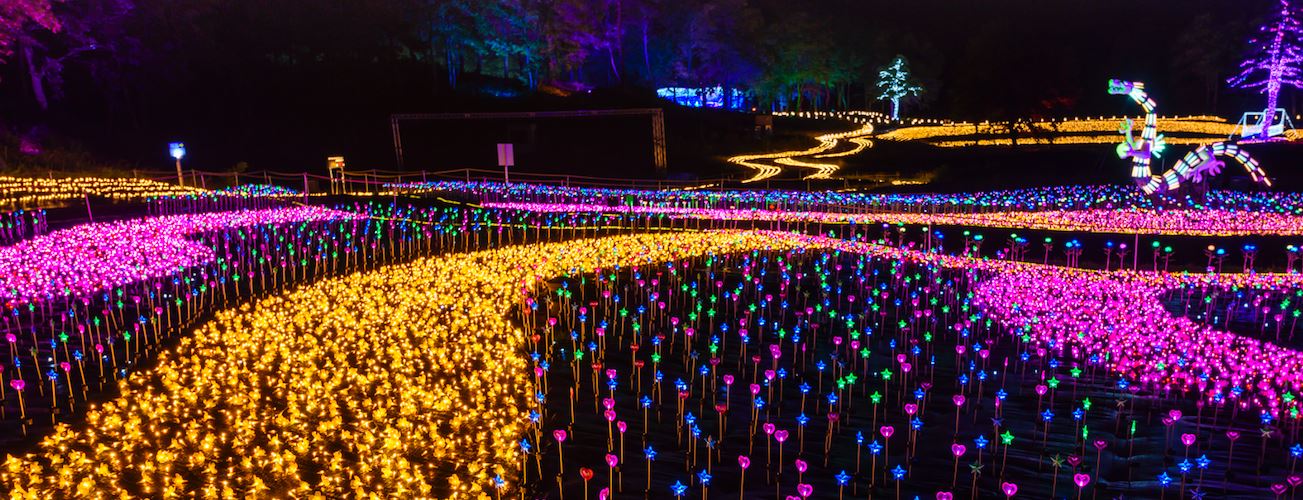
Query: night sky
x=280 y=84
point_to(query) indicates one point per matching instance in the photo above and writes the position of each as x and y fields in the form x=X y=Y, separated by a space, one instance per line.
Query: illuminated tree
x=1274 y=61
x=895 y=82
x=17 y=17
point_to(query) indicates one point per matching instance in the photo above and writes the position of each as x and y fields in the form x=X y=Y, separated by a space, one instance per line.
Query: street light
x=177 y=151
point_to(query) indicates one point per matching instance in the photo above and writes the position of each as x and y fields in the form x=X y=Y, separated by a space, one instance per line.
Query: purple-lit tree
x=89 y=32
x=17 y=17
x=1277 y=53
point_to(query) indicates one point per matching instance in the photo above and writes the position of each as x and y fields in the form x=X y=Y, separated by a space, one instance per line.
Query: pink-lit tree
x=18 y=16
x=1275 y=59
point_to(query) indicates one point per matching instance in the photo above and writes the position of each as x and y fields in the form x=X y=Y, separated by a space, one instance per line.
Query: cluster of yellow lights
x=851 y=116
x=1065 y=140
x=821 y=170
x=31 y=190
x=404 y=382
x=859 y=116
x=1100 y=130
x=861 y=143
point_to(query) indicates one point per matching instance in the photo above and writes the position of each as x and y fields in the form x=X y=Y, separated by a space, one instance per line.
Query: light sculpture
x=1194 y=167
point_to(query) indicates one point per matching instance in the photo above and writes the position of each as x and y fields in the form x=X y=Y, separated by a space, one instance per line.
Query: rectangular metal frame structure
x=656 y=114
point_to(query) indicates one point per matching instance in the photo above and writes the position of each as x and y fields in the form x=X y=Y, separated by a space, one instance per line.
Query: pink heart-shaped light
x=1081 y=479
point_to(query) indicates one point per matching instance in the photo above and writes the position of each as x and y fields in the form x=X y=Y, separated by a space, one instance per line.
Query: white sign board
x=506 y=155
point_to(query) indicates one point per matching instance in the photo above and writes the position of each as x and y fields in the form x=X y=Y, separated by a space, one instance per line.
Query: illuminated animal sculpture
x=1196 y=166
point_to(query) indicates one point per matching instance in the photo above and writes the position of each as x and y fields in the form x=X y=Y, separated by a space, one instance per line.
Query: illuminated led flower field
x=1164 y=222
x=806 y=360
x=407 y=381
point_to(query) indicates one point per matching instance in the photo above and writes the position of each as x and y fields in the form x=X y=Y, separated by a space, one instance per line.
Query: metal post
x=658 y=141
x=1135 y=259
x=398 y=141
x=180 y=179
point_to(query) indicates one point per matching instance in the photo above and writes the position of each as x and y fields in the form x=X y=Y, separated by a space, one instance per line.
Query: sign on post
x=334 y=163
x=506 y=158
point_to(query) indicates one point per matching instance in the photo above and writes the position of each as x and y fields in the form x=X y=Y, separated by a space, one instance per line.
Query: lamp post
x=177 y=151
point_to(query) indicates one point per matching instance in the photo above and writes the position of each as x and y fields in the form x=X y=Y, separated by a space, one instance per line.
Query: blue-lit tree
x=895 y=82
x=1274 y=61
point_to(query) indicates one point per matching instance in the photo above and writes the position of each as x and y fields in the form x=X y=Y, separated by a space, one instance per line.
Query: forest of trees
x=147 y=68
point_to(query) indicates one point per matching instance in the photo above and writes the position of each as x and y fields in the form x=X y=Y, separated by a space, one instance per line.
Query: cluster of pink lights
x=1117 y=316
x=1211 y=222
x=91 y=257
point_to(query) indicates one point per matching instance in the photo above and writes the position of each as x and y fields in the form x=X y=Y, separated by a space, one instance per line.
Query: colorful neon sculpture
x=1195 y=166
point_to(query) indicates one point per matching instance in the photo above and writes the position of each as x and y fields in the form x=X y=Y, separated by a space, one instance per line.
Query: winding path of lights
x=821 y=170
